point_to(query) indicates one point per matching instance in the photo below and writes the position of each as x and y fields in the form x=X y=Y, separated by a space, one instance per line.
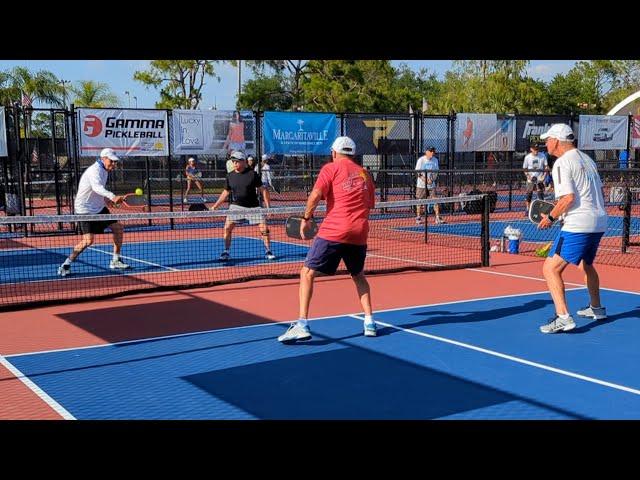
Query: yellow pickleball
x=139 y=191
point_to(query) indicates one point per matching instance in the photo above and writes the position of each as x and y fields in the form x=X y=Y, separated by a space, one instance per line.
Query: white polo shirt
x=575 y=172
x=424 y=163
x=535 y=162
x=91 y=191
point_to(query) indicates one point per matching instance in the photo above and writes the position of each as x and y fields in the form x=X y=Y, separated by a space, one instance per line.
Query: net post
x=485 y=238
x=626 y=221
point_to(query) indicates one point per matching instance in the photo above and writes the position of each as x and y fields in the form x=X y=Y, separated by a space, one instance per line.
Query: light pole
x=135 y=99
x=128 y=97
x=64 y=91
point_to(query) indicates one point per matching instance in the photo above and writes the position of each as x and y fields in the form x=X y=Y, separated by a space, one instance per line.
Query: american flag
x=26 y=100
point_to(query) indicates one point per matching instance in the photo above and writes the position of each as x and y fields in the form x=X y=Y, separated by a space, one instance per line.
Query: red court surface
x=170 y=313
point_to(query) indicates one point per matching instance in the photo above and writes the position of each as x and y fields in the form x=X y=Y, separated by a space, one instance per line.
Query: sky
x=118 y=74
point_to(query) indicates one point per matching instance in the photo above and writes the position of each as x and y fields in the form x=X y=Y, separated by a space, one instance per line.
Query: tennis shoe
x=557 y=324
x=440 y=221
x=295 y=333
x=597 y=313
x=418 y=220
x=269 y=255
x=370 y=329
x=224 y=256
x=118 y=265
x=64 y=270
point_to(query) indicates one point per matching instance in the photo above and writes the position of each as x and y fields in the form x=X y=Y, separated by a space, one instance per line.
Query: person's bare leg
x=552 y=271
x=118 y=236
x=307 y=277
x=592 y=280
x=364 y=292
x=228 y=228
x=264 y=232
x=87 y=241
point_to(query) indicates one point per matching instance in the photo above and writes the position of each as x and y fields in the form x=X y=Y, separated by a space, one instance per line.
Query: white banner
x=129 y=132
x=3 y=134
x=603 y=132
x=484 y=132
x=635 y=132
x=212 y=132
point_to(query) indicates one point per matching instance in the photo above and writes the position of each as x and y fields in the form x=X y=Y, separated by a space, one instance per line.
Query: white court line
x=59 y=409
x=509 y=357
x=136 y=260
x=165 y=337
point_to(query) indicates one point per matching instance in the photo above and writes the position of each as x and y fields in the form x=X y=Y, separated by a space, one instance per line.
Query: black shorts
x=324 y=256
x=96 y=226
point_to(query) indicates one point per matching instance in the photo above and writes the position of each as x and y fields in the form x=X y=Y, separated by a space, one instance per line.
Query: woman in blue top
x=193 y=174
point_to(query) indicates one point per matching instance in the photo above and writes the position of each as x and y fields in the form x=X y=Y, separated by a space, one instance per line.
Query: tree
x=265 y=93
x=290 y=75
x=349 y=86
x=41 y=86
x=94 y=95
x=180 y=81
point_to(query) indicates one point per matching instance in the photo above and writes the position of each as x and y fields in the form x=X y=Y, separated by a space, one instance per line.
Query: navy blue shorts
x=324 y=256
x=574 y=247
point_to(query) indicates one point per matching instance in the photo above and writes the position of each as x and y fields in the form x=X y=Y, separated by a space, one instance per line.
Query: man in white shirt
x=426 y=184
x=535 y=165
x=578 y=189
x=266 y=172
x=91 y=199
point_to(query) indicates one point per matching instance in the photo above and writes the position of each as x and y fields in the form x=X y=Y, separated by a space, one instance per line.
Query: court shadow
x=356 y=384
x=193 y=314
x=444 y=316
x=635 y=313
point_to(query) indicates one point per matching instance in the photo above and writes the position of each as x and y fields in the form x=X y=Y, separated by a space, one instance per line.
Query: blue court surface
x=530 y=232
x=480 y=359
x=32 y=264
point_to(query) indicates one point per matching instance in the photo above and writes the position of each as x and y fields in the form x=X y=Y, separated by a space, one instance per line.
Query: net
x=179 y=250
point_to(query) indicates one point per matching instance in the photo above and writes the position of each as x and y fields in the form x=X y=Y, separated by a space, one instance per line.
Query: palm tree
x=94 y=95
x=42 y=86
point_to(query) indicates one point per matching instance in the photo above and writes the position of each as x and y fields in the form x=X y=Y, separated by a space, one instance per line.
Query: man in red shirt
x=350 y=194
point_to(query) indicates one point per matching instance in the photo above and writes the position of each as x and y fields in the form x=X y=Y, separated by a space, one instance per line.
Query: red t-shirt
x=350 y=194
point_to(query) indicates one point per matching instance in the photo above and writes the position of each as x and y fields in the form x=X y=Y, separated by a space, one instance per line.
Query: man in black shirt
x=243 y=184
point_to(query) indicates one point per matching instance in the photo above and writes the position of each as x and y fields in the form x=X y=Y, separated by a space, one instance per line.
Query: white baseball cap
x=109 y=153
x=265 y=156
x=344 y=145
x=561 y=131
x=191 y=159
x=238 y=155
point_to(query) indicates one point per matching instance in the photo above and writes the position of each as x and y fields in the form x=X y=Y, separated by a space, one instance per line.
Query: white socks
x=67 y=261
x=302 y=322
x=564 y=316
x=368 y=320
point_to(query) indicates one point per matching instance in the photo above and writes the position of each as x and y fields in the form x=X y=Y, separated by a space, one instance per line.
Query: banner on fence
x=530 y=127
x=635 y=132
x=603 y=132
x=3 y=134
x=218 y=132
x=379 y=135
x=128 y=132
x=299 y=133
x=484 y=132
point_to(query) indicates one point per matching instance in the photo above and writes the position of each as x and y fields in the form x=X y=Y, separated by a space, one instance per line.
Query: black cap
x=431 y=149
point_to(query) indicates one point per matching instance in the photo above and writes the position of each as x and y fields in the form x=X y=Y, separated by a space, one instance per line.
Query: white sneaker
x=224 y=256
x=439 y=221
x=418 y=220
x=597 y=313
x=295 y=333
x=370 y=329
x=64 y=270
x=557 y=324
x=118 y=265
x=269 y=255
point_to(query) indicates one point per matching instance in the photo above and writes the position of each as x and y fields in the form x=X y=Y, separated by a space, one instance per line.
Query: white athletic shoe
x=370 y=329
x=295 y=333
x=269 y=255
x=118 y=265
x=557 y=324
x=597 y=313
x=64 y=270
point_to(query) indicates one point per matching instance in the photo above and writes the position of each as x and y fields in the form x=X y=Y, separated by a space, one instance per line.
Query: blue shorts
x=574 y=247
x=324 y=256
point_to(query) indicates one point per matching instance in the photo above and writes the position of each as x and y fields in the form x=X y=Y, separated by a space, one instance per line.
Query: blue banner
x=298 y=133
